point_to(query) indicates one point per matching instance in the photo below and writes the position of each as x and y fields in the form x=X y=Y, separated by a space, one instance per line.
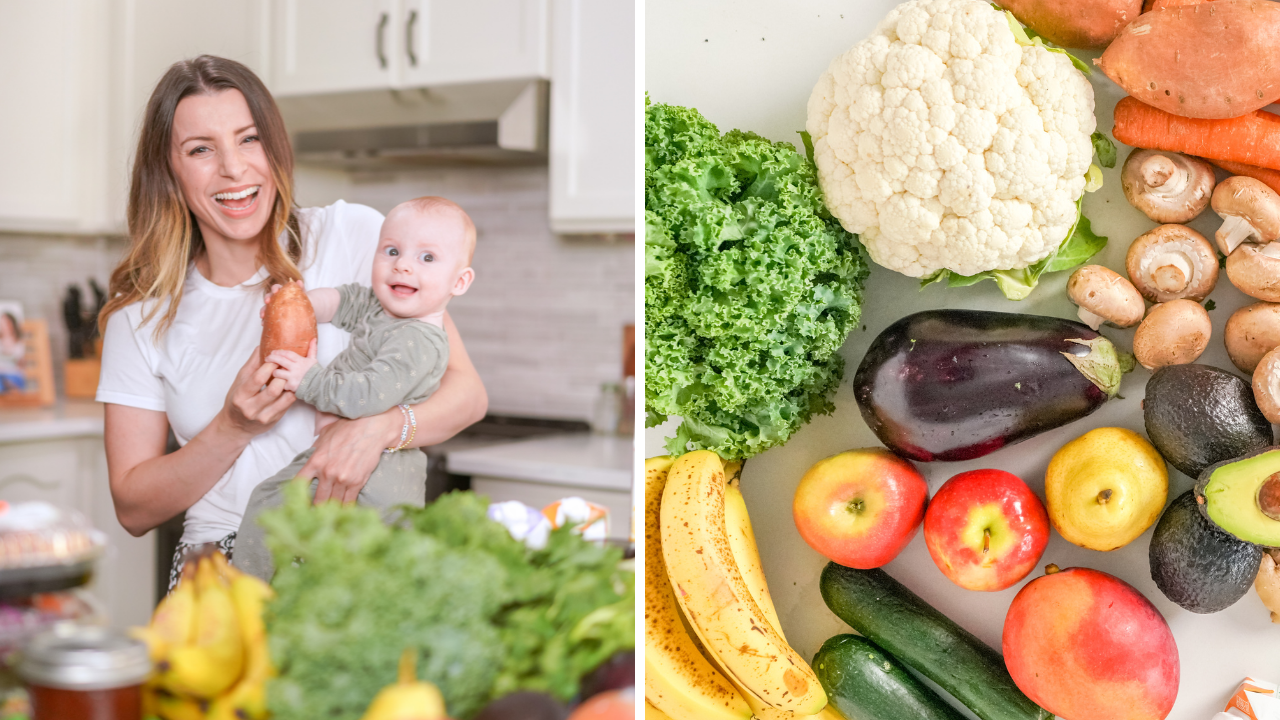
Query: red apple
x=985 y=529
x=861 y=507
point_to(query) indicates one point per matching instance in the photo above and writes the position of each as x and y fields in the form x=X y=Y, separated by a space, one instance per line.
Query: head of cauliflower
x=946 y=144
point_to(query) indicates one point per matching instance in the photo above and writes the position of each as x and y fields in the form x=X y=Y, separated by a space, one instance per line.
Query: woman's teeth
x=238 y=200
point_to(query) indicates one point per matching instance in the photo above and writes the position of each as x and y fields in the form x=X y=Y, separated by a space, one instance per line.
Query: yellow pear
x=407 y=699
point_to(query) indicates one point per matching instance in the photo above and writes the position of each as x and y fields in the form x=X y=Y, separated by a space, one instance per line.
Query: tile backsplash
x=36 y=270
x=542 y=322
x=543 y=319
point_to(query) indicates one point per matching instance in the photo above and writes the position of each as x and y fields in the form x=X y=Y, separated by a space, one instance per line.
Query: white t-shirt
x=188 y=373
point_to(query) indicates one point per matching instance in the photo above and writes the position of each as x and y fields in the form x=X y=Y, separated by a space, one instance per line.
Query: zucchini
x=896 y=619
x=864 y=682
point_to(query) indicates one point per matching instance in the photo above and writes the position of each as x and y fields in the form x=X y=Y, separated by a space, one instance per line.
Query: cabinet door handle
x=383 y=19
x=410 y=27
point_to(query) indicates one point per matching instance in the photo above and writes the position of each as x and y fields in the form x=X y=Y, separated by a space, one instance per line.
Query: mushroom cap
x=1105 y=293
x=1252 y=332
x=1255 y=271
x=1173 y=333
x=1266 y=385
x=1172 y=262
x=1167 y=187
x=1250 y=211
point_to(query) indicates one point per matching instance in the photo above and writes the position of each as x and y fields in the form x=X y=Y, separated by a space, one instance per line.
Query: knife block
x=80 y=377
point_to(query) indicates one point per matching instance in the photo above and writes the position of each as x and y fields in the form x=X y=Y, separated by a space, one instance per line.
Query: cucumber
x=864 y=682
x=896 y=619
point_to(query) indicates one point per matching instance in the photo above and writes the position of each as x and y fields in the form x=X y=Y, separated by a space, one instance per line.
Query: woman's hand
x=346 y=453
x=256 y=401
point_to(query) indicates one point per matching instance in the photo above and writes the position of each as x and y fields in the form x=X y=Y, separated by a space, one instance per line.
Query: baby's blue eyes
x=425 y=257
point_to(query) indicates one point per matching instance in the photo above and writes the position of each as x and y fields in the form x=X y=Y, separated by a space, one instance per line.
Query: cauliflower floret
x=946 y=144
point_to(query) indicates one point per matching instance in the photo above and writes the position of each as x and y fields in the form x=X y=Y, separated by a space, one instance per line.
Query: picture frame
x=26 y=360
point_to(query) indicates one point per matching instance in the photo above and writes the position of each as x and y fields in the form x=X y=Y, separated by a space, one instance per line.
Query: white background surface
x=752 y=65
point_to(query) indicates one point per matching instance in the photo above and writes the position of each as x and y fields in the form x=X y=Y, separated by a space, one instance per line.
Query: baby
x=397 y=355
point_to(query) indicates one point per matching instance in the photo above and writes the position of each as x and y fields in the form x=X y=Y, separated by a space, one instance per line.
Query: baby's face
x=422 y=261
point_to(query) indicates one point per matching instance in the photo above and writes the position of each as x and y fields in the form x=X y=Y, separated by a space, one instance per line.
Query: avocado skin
x=1202 y=483
x=1196 y=565
x=1197 y=415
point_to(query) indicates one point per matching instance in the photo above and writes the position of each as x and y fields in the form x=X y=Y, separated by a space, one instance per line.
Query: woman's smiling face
x=222 y=166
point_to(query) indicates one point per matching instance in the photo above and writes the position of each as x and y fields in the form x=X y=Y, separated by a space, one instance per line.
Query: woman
x=212 y=224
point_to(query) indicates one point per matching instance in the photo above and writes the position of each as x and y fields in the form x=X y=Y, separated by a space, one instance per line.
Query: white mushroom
x=1252 y=332
x=1104 y=296
x=1167 y=187
x=1266 y=385
x=1171 y=262
x=1250 y=212
x=1255 y=270
x=1173 y=333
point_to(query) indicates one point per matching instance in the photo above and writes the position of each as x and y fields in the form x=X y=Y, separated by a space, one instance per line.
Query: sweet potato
x=289 y=322
x=1151 y=5
x=1213 y=60
x=1085 y=24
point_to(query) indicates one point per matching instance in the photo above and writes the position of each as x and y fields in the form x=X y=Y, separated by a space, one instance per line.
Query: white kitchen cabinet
x=329 y=46
x=54 y=101
x=451 y=42
x=148 y=36
x=70 y=471
x=593 y=116
x=72 y=107
x=322 y=46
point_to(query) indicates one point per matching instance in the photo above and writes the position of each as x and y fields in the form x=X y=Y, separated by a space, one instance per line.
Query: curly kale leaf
x=750 y=286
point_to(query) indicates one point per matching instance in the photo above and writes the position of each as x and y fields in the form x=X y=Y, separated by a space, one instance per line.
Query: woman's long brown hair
x=163 y=234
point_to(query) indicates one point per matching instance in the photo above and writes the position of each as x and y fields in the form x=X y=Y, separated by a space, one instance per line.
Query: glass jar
x=87 y=673
x=604 y=417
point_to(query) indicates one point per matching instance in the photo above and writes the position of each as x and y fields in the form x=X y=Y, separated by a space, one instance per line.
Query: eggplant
x=959 y=384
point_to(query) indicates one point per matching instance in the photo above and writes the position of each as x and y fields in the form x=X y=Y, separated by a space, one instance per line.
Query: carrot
x=1151 y=5
x=1267 y=176
x=1252 y=139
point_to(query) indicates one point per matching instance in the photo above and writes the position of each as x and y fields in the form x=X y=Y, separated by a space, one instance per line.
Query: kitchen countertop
x=575 y=459
x=66 y=418
x=751 y=64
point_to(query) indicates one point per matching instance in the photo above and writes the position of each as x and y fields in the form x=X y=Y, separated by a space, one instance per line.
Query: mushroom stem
x=1093 y=320
x=1163 y=177
x=1171 y=271
x=1234 y=230
x=1271 y=250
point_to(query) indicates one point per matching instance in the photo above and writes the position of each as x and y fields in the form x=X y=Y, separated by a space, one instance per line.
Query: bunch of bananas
x=714 y=648
x=209 y=646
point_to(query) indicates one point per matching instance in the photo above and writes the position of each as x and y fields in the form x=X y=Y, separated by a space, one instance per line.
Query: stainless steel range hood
x=493 y=123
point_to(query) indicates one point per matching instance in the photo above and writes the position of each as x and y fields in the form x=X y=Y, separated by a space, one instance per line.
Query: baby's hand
x=292 y=366
x=262 y=311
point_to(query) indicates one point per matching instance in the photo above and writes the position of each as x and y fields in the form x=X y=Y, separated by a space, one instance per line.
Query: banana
x=246 y=700
x=742 y=543
x=678 y=680
x=173 y=707
x=653 y=713
x=174 y=618
x=214 y=659
x=710 y=589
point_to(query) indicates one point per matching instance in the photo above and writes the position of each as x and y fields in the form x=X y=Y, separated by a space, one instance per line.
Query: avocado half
x=1195 y=564
x=1197 y=415
x=1242 y=496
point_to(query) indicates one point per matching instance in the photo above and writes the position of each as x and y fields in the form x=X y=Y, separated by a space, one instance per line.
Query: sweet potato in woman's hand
x=288 y=321
x=1086 y=24
x=1213 y=60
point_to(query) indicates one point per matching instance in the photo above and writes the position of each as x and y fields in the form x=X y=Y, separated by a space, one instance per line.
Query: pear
x=408 y=698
